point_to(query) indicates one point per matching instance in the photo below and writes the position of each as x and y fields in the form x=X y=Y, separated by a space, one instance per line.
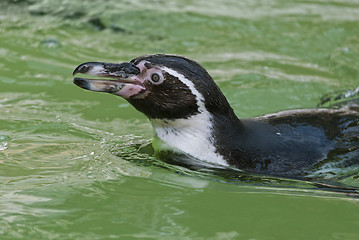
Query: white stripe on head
x=191 y=135
x=190 y=85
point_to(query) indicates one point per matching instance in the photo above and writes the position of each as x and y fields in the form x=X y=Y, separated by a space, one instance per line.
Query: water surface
x=70 y=165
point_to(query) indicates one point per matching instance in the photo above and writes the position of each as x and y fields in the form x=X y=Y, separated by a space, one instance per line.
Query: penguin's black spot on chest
x=170 y=131
x=172 y=100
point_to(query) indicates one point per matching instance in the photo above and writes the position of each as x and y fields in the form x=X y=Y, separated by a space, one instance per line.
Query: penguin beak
x=123 y=80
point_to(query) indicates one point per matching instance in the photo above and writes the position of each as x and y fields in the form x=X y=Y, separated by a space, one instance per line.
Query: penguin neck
x=195 y=135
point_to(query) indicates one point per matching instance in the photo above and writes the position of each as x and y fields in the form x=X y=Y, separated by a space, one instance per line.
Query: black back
x=292 y=145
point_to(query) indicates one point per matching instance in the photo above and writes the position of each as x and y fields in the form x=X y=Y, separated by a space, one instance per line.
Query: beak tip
x=83 y=83
x=74 y=72
x=82 y=68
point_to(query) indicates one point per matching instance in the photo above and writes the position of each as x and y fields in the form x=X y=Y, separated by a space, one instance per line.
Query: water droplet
x=4 y=141
x=50 y=43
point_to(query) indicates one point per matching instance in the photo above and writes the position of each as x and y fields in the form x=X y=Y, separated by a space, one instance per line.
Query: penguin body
x=191 y=116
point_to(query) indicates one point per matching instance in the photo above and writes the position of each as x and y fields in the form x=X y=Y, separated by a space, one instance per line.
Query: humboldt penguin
x=191 y=116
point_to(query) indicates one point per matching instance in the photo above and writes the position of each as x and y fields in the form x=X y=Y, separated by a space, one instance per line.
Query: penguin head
x=185 y=106
x=160 y=86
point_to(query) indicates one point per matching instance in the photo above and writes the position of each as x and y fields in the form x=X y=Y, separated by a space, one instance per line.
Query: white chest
x=191 y=136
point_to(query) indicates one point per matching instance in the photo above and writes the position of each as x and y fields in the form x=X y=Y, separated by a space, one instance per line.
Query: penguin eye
x=155 y=78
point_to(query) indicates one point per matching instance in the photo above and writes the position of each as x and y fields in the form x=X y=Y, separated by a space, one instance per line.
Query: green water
x=69 y=161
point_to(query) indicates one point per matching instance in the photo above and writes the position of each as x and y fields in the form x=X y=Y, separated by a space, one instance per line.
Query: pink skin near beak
x=133 y=89
x=130 y=89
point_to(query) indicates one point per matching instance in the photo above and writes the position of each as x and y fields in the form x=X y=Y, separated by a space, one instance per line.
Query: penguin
x=191 y=117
